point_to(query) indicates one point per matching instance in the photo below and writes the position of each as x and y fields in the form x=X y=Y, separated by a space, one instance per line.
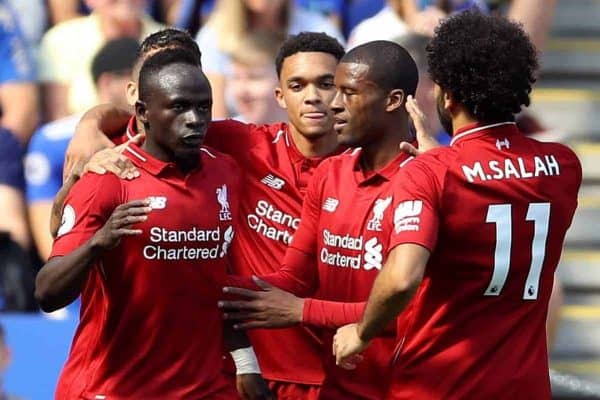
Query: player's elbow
x=45 y=294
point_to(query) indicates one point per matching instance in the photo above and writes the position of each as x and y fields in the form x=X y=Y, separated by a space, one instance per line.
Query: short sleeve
x=88 y=206
x=43 y=168
x=305 y=238
x=17 y=62
x=416 y=207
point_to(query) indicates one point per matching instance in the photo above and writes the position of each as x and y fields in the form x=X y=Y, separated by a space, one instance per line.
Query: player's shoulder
x=560 y=150
x=436 y=160
x=217 y=157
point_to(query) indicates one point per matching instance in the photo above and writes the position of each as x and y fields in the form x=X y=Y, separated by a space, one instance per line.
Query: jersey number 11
x=501 y=215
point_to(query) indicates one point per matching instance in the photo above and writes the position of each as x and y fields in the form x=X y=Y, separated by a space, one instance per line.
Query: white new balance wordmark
x=330 y=204
x=273 y=182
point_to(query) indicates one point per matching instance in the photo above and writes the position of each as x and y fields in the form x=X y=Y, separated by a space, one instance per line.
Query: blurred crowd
x=61 y=57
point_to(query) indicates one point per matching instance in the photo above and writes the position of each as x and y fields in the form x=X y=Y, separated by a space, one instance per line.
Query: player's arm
x=61 y=279
x=277 y=302
x=249 y=381
x=109 y=160
x=414 y=236
x=392 y=291
x=93 y=134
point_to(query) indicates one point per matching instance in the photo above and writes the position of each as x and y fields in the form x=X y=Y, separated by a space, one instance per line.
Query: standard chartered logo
x=373 y=251
x=272 y=222
x=373 y=254
x=198 y=244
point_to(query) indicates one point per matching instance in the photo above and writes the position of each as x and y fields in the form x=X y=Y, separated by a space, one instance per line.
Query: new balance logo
x=273 y=182
x=406 y=216
x=378 y=209
x=502 y=143
x=157 y=202
x=330 y=204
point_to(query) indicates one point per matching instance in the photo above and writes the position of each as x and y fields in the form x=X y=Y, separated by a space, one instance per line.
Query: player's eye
x=296 y=87
x=327 y=85
x=178 y=107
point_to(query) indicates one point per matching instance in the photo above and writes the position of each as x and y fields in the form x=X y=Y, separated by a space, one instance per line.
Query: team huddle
x=333 y=256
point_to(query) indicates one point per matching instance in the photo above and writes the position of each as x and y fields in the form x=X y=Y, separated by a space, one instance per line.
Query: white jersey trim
x=135 y=153
x=481 y=128
x=207 y=152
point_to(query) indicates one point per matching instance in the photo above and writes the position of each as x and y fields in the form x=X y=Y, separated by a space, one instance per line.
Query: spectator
x=387 y=24
x=253 y=80
x=234 y=19
x=68 y=48
x=33 y=19
x=18 y=91
x=111 y=70
x=332 y=9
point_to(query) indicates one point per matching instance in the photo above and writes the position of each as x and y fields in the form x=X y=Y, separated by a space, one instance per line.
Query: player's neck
x=314 y=147
x=377 y=155
x=460 y=120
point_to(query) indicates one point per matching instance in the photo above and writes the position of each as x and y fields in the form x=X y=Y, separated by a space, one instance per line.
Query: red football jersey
x=345 y=226
x=275 y=178
x=493 y=209
x=150 y=327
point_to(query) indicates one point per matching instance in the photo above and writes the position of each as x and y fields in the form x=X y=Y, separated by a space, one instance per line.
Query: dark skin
x=366 y=115
x=175 y=113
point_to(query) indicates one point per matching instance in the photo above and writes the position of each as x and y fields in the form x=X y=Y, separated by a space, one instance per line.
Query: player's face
x=443 y=114
x=357 y=106
x=177 y=113
x=305 y=91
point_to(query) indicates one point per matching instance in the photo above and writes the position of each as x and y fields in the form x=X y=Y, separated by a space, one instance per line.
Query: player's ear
x=131 y=93
x=279 y=97
x=395 y=100
x=449 y=102
x=141 y=112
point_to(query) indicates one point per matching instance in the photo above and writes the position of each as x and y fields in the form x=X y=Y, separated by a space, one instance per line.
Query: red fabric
x=461 y=343
x=294 y=391
x=331 y=314
x=345 y=226
x=275 y=178
x=150 y=327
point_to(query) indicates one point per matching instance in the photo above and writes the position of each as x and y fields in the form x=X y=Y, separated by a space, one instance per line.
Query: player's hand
x=87 y=141
x=112 y=160
x=425 y=139
x=252 y=387
x=120 y=224
x=270 y=307
x=347 y=346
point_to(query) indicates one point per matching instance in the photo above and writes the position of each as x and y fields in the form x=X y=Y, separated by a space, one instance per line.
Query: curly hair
x=487 y=63
x=308 y=42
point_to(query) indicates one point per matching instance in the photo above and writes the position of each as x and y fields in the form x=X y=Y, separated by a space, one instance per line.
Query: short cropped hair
x=390 y=65
x=487 y=64
x=156 y=62
x=169 y=38
x=305 y=42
